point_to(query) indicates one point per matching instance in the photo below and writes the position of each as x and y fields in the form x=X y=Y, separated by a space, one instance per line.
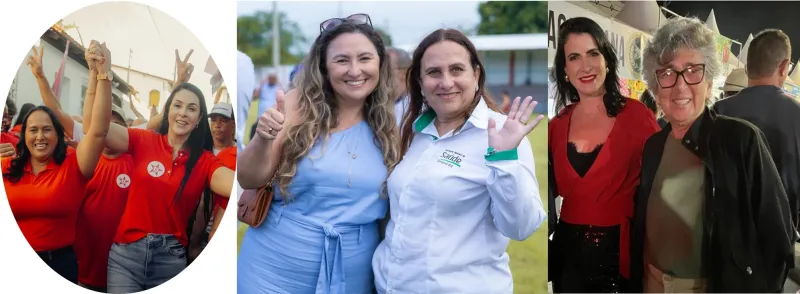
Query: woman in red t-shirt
x=45 y=183
x=172 y=167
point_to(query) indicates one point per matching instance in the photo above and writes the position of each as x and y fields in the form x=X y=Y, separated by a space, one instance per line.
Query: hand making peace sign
x=185 y=68
x=35 y=61
x=516 y=126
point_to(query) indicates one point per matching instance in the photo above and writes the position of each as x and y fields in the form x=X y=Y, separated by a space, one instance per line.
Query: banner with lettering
x=627 y=41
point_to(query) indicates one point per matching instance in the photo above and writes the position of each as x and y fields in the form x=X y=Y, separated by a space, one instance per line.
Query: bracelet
x=104 y=76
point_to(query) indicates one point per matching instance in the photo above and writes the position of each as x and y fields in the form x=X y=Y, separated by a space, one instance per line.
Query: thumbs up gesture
x=516 y=126
x=271 y=121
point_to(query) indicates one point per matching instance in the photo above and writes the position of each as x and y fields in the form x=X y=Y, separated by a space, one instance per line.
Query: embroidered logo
x=155 y=169
x=123 y=181
x=451 y=158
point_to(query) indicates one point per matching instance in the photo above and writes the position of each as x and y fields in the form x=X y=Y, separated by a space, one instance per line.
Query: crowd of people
x=364 y=128
x=112 y=203
x=691 y=195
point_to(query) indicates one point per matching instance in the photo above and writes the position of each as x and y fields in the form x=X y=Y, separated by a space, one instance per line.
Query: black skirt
x=585 y=259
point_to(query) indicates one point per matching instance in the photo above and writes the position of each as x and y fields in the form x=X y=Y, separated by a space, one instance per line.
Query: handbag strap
x=272 y=180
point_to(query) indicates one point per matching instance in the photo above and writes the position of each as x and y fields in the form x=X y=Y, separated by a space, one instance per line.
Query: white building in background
x=74 y=82
x=510 y=60
x=516 y=63
x=148 y=89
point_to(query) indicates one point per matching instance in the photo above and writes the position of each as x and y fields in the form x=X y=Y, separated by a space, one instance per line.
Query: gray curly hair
x=670 y=37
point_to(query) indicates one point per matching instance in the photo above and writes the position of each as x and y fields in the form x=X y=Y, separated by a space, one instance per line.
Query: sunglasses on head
x=358 y=19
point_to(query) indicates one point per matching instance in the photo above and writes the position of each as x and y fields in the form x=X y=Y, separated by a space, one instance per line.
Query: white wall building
x=146 y=85
x=74 y=82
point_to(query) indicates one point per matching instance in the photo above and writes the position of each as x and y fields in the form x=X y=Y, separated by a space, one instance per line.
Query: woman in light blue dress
x=336 y=140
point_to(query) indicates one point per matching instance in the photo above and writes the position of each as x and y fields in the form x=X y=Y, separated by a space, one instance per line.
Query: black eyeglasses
x=692 y=75
x=358 y=19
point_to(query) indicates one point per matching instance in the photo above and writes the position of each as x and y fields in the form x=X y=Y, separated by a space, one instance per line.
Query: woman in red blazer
x=596 y=146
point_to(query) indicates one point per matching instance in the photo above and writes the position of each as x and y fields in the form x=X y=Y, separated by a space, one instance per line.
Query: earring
x=477 y=88
x=566 y=78
x=422 y=93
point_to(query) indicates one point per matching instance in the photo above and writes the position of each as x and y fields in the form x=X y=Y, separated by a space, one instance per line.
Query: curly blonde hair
x=317 y=110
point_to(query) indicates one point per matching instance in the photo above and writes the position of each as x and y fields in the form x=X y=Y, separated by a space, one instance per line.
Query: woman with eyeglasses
x=330 y=144
x=466 y=183
x=711 y=213
x=596 y=143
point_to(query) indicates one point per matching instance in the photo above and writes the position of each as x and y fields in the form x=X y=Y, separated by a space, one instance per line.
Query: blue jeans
x=144 y=264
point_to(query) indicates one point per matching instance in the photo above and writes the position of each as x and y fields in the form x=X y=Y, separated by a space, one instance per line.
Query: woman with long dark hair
x=595 y=142
x=331 y=142
x=172 y=167
x=46 y=182
x=466 y=183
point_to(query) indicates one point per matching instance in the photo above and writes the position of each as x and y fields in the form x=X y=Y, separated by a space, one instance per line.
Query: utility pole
x=128 y=78
x=276 y=37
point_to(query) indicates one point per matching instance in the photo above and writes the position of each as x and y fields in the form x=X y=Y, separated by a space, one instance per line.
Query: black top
x=581 y=162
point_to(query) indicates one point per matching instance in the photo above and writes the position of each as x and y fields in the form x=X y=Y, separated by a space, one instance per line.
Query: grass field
x=529 y=257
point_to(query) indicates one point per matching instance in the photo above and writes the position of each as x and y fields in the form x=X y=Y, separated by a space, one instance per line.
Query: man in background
x=768 y=107
x=8 y=114
x=8 y=142
x=400 y=61
x=735 y=82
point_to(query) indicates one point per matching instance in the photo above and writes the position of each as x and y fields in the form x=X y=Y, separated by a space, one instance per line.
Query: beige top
x=674 y=223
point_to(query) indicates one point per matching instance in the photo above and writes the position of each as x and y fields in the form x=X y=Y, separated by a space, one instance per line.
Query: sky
x=151 y=34
x=736 y=19
x=407 y=22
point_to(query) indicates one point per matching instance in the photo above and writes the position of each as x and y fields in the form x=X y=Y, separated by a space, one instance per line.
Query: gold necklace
x=351 y=156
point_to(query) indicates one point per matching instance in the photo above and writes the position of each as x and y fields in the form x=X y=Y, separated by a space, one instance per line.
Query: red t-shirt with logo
x=46 y=205
x=228 y=158
x=152 y=206
x=106 y=195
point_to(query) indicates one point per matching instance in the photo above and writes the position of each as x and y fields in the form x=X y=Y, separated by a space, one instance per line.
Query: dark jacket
x=778 y=116
x=748 y=237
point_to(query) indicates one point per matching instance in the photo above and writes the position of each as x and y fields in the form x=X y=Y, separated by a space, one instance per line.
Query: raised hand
x=516 y=126
x=185 y=68
x=35 y=61
x=271 y=121
x=101 y=56
x=92 y=55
